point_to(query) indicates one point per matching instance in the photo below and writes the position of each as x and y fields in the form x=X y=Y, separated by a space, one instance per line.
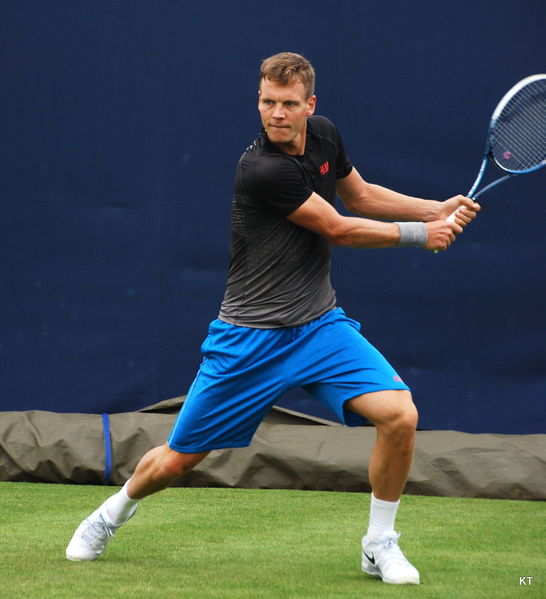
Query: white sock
x=120 y=507
x=382 y=517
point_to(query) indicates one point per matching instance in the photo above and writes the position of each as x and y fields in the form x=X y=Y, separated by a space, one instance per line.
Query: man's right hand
x=441 y=234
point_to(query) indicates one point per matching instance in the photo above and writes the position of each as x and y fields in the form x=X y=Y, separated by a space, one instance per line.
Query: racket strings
x=518 y=137
x=526 y=131
x=520 y=144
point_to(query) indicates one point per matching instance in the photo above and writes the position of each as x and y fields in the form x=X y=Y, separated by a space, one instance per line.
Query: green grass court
x=258 y=544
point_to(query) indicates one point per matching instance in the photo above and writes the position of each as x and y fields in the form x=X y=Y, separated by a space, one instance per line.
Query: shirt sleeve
x=277 y=182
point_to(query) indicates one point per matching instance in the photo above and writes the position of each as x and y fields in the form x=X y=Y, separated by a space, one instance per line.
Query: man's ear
x=311 y=105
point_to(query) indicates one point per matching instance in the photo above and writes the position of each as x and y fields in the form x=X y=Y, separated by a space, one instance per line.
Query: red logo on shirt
x=325 y=168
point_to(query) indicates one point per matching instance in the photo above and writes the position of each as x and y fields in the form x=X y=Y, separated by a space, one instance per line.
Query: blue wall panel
x=121 y=125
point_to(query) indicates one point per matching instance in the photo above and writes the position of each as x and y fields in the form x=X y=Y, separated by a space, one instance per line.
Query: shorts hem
x=206 y=446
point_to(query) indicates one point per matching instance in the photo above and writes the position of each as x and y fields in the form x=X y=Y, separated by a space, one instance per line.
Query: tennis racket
x=516 y=139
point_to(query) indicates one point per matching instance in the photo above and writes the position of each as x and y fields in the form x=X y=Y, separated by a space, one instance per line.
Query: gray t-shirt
x=279 y=272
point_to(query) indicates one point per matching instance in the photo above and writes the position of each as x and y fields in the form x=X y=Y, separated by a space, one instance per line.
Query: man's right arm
x=317 y=215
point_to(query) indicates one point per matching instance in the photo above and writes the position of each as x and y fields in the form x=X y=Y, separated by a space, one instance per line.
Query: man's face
x=284 y=111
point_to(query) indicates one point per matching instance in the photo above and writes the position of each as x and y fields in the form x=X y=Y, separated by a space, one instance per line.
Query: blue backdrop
x=121 y=125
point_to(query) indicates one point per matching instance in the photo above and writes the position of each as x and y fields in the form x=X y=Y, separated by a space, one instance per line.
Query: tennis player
x=279 y=324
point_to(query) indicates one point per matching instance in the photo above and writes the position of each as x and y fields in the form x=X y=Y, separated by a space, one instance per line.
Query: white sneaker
x=383 y=558
x=91 y=536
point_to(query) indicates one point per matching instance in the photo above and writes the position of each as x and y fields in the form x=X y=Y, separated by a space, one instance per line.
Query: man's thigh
x=384 y=407
x=240 y=378
x=337 y=364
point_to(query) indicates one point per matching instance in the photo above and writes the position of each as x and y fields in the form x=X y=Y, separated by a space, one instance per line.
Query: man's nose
x=278 y=113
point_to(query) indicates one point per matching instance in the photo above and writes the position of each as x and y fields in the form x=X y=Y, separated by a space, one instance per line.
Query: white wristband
x=412 y=234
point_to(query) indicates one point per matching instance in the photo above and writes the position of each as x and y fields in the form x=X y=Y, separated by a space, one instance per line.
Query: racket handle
x=449 y=219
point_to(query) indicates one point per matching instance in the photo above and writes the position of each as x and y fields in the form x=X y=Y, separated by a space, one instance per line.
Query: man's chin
x=278 y=136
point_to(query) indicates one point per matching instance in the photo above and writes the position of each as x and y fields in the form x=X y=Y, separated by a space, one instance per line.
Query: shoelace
x=390 y=544
x=97 y=532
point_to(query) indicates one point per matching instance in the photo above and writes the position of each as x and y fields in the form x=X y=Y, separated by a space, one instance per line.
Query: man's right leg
x=159 y=468
x=156 y=471
x=235 y=387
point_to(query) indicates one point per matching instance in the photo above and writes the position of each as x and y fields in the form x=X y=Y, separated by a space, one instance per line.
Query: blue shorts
x=245 y=370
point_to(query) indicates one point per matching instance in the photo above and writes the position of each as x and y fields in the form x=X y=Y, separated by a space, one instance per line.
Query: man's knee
x=402 y=421
x=175 y=464
x=405 y=416
x=389 y=410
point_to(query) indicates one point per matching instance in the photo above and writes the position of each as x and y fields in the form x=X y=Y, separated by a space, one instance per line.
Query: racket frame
x=488 y=155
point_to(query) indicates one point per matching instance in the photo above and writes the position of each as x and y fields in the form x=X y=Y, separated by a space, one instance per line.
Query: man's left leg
x=395 y=417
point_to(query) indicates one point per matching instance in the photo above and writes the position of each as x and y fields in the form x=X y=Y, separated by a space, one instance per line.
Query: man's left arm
x=373 y=201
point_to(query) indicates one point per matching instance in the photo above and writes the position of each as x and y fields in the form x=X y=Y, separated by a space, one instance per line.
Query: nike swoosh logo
x=370 y=559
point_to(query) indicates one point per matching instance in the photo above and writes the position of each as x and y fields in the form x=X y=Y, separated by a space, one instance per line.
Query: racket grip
x=449 y=219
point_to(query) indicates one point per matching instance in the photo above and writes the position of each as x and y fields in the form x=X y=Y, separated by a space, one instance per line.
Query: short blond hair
x=284 y=67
